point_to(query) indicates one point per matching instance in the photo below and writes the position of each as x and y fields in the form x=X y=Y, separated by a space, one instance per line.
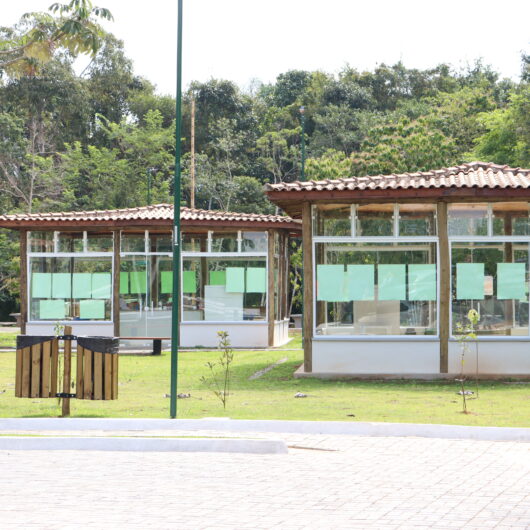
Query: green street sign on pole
x=175 y=331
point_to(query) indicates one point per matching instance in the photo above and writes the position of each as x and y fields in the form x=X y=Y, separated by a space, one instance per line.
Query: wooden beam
x=445 y=287
x=270 y=288
x=23 y=280
x=116 y=284
x=307 y=274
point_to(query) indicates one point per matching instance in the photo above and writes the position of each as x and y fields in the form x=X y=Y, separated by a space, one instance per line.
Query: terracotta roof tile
x=470 y=175
x=158 y=212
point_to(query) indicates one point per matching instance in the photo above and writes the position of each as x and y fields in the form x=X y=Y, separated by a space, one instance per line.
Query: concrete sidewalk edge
x=520 y=434
x=202 y=445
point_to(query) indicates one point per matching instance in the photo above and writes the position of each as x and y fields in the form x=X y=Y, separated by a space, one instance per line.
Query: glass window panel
x=496 y=275
x=375 y=220
x=378 y=278
x=510 y=219
x=160 y=242
x=195 y=242
x=254 y=242
x=467 y=219
x=97 y=242
x=41 y=241
x=67 y=281
x=134 y=304
x=91 y=309
x=417 y=220
x=224 y=242
x=226 y=289
x=331 y=283
x=332 y=220
x=133 y=242
x=70 y=242
x=189 y=281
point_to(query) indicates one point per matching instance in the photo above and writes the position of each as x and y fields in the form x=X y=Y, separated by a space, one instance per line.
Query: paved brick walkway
x=355 y=482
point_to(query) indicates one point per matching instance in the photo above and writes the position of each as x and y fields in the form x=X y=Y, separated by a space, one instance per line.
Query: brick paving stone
x=358 y=482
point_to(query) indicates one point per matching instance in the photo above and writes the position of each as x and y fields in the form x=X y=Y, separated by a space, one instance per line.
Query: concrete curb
x=512 y=434
x=187 y=445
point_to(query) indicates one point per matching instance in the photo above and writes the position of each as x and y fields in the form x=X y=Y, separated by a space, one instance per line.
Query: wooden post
x=67 y=371
x=116 y=284
x=307 y=309
x=445 y=287
x=23 y=281
x=270 y=288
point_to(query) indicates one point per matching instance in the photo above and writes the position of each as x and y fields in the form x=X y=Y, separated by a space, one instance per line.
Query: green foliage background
x=86 y=141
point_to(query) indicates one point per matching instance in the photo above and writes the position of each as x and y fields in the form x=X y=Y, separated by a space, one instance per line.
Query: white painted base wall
x=281 y=332
x=495 y=357
x=244 y=335
x=78 y=328
x=376 y=357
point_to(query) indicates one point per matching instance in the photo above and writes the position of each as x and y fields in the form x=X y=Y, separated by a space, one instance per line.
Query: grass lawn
x=8 y=339
x=144 y=381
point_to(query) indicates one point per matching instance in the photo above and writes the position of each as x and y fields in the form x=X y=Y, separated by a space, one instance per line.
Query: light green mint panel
x=422 y=282
x=256 y=280
x=189 y=282
x=511 y=281
x=138 y=282
x=235 y=280
x=361 y=279
x=392 y=282
x=52 y=309
x=81 y=285
x=101 y=285
x=470 y=281
x=124 y=283
x=61 y=285
x=217 y=278
x=41 y=285
x=166 y=282
x=92 y=309
x=331 y=283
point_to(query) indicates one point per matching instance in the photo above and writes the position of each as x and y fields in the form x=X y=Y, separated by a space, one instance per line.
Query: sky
x=246 y=40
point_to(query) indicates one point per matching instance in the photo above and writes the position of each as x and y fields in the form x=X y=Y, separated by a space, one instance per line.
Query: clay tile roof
x=151 y=214
x=469 y=175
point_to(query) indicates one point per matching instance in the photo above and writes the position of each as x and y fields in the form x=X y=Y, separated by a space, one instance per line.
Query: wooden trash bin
x=97 y=368
x=36 y=366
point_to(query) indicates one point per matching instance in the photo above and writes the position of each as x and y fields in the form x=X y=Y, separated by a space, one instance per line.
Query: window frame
x=55 y=254
x=493 y=240
x=376 y=241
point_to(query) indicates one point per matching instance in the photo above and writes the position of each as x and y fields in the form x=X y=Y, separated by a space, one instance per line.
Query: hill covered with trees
x=86 y=140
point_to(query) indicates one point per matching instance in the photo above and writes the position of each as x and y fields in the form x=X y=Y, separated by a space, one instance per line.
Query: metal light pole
x=302 y=178
x=302 y=115
x=175 y=331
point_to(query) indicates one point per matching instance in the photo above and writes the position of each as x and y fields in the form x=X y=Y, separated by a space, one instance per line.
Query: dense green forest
x=72 y=141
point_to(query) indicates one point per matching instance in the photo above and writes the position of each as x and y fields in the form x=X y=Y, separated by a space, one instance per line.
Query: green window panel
x=189 y=281
x=511 y=281
x=422 y=282
x=166 y=282
x=124 y=283
x=470 y=281
x=217 y=277
x=256 y=280
x=81 y=285
x=392 y=282
x=235 y=280
x=331 y=283
x=101 y=285
x=92 y=309
x=52 y=309
x=361 y=279
x=138 y=282
x=41 y=285
x=61 y=285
